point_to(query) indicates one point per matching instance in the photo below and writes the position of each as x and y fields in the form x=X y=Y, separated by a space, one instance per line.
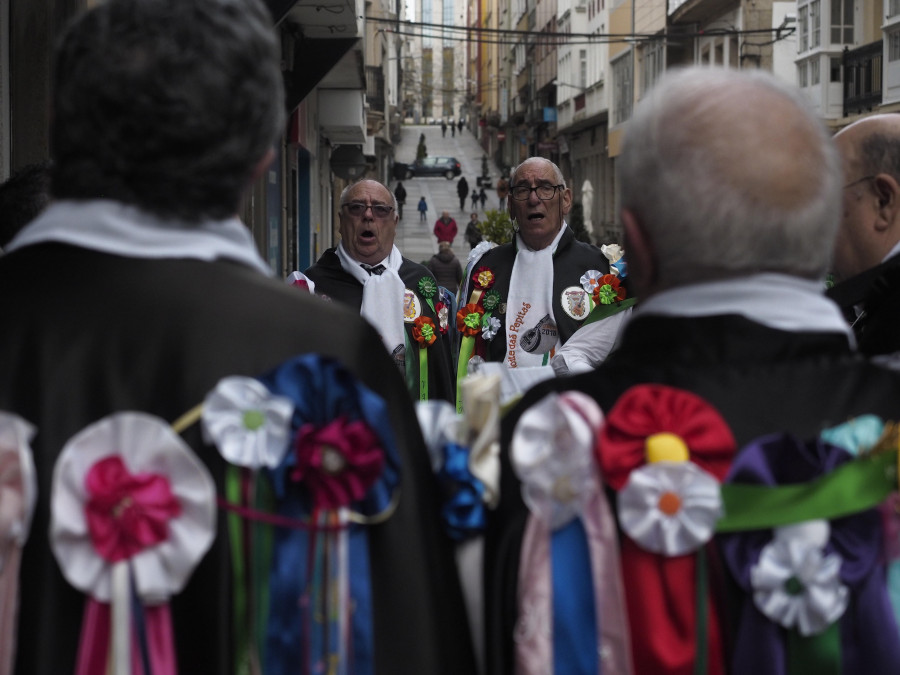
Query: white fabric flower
x=590 y=280
x=481 y=419
x=249 y=425
x=795 y=584
x=145 y=445
x=475 y=254
x=18 y=482
x=670 y=507
x=489 y=327
x=552 y=454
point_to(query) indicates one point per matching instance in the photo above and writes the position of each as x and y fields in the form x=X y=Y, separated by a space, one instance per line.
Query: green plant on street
x=496 y=226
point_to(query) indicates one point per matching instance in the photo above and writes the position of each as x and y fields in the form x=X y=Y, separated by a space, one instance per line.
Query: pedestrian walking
x=482 y=197
x=474 y=198
x=453 y=128
x=423 y=208
x=473 y=231
x=400 y=194
x=460 y=124
x=443 y=129
x=446 y=268
x=445 y=228
x=502 y=192
x=462 y=189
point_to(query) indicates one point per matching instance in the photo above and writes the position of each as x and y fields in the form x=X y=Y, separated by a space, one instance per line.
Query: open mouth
x=367 y=235
x=535 y=217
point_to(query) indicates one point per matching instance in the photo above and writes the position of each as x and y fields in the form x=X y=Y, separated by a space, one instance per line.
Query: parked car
x=434 y=166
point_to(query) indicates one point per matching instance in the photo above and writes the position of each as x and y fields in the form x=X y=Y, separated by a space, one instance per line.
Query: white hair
x=729 y=172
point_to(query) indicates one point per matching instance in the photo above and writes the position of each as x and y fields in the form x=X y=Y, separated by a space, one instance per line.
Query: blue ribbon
x=575 y=618
x=463 y=510
x=298 y=631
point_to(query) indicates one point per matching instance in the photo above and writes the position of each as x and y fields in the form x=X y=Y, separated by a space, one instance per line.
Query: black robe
x=86 y=334
x=570 y=261
x=877 y=291
x=334 y=283
x=761 y=381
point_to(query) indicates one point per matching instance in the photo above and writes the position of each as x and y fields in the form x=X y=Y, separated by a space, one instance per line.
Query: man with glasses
x=397 y=296
x=540 y=281
x=866 y=260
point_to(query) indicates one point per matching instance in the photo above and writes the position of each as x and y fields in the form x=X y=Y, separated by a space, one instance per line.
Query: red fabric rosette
x=661 y=592
x=424 y=331
x=469 y=328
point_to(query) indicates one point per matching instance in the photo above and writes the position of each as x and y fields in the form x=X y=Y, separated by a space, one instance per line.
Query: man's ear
x=888 y=192
x=262 y=165
x=639 y=253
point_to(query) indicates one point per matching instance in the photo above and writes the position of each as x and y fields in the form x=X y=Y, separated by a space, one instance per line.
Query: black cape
x=761 y=381
x=86 y=334
x=334 y=283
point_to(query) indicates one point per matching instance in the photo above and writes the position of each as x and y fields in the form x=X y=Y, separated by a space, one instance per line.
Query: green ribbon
x=605 y=311
x=261 y=550
x=820 y=654
x=466 y=347
x=853 y=487
x=423 y=373
x=702 y=621
x=238 y=572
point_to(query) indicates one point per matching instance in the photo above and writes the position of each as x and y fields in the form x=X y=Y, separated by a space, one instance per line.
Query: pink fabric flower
x=127 y=513
x=338 y=462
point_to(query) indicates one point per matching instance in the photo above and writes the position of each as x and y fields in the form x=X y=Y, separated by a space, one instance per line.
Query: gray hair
x=557 y=174
x=729 y=173
x=347 y=189
x=166 y=104
x=879 y=152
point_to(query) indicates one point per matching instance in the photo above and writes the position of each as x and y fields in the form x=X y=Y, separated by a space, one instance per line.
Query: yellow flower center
x=666 y=447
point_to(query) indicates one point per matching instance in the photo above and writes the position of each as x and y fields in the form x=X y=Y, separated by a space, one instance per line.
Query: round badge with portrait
x=412 y=306
x=575 y=302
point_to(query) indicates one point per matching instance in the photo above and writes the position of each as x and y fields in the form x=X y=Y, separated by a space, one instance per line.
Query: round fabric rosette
x=427 y=287
x=424 y=331
x=489 y=327
x=590 y=280
x=468 y=320
x=474 y=364
x=129 y=488
x=248 y=424
x=551 y=453
x=670 y=508
x=491 y=300
x=337 y=462
x=18 y=482
x=443 y=316
x=608 y=290
x=795 y=583
x=483 y=278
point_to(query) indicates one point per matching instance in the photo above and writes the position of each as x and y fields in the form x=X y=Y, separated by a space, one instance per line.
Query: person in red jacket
x=445 y=227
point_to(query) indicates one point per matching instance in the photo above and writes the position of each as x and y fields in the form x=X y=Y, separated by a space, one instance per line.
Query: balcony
x=375 y=88
x=862 y=78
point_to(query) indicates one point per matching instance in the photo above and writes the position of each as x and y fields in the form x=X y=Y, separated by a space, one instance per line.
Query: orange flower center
x=669 y=503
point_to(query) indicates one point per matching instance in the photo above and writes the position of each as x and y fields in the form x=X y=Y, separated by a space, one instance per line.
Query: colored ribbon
x=463 y=510
x=423 y=373
x=466 y=348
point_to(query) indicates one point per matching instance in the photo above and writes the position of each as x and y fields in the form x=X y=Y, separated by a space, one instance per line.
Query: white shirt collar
x=778 y=301
x=121 y=229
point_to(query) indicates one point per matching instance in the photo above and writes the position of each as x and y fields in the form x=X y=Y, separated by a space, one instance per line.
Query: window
x=836 y=63
x=815 y=23
x=582 y=68
x=842 y=21
x=804 y=28
x=894 y=8
x=651 y=64
x=624 y=94
x=894 y=46
x=801 y=74
x=814 y=71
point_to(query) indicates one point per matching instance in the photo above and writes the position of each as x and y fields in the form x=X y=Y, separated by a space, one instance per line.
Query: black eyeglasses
x=358 y=209
x=858 y=181
x=544 y=192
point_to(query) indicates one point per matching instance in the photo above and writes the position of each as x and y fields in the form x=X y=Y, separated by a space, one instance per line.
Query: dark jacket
x=446 y=268
x=462 y=187
x=473 y=234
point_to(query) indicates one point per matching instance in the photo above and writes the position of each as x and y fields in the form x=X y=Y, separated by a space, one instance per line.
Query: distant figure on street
x=460 y=124
x=446 y=268
x=482 y=197
x=502 y=192
x=453 y=128
x=443 y=128
x=445 y=228
x=473 y=232
x=462 y=189
x=400 y=194
x=423 y=209
x=474 y=198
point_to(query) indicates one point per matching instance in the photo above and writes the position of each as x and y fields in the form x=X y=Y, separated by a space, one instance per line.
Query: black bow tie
x=373 y=269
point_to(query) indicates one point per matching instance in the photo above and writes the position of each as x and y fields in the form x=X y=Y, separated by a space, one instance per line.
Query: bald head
x=720 y=190
x=870 y=214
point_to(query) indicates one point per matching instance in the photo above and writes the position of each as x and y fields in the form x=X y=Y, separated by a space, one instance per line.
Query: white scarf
x=122 y=229
x=775 y=300
x=382 y=303
x=531 y=330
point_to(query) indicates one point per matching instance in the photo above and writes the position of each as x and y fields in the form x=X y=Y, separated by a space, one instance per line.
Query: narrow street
x=414 y=238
